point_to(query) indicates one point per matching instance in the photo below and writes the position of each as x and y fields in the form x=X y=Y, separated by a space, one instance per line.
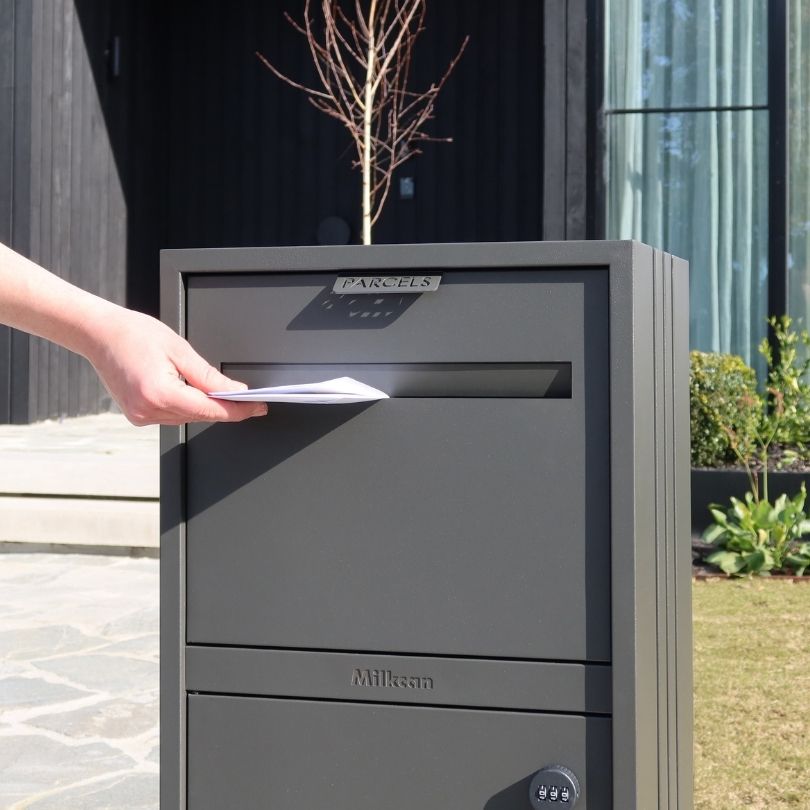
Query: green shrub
x=729 y=418
x=755 y=537
x=723 y=402
x=788 y=365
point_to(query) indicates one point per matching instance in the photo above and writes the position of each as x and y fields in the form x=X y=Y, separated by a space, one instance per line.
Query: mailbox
x=473 y=595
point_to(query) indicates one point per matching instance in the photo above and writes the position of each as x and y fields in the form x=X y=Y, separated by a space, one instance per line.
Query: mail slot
x=472 y=593
x=470 y=380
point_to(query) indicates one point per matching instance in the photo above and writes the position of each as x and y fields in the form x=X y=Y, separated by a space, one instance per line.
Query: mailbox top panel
x=618 y=255
x=495 y=315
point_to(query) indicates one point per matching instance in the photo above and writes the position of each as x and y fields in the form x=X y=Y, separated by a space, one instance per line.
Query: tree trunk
x=367 y=111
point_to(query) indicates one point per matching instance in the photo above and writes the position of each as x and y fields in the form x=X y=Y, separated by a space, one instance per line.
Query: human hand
x=156 y=377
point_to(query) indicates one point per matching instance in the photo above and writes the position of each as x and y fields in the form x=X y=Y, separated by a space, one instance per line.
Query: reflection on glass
x=799 y=162
x=696 y=184
x=686 y=53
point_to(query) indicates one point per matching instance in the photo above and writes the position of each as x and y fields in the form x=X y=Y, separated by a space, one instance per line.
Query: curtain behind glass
x=694 y=183
x=686 y=53
x=799 y=162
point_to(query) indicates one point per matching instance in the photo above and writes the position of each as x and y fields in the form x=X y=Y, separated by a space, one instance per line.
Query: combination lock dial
x=554 y=786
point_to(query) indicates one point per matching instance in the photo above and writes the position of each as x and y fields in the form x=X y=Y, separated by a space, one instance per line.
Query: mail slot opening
x=425 y=380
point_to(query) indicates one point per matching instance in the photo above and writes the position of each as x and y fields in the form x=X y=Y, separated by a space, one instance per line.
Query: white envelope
x=329 y=392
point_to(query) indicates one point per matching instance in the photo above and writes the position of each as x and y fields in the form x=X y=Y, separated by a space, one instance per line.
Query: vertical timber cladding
x=61 y=196
x=7 y=41
x=425 y=601
x=15 y=115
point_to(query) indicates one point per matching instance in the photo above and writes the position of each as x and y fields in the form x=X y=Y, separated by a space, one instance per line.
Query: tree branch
x=364 y=66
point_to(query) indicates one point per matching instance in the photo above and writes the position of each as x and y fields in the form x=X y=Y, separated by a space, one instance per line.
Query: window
x=687 y=152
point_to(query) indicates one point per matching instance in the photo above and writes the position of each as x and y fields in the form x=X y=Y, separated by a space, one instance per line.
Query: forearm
x=153 y=374
x=36 y=301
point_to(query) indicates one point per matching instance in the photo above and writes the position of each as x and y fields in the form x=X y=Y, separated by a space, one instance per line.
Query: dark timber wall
x=267 y=168
x=131 y=125
x=15 y=101
x=273 y=167
x=67 y=204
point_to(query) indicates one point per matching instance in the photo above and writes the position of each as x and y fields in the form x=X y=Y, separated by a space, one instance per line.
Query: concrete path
x=91 y=482
x=78 y=682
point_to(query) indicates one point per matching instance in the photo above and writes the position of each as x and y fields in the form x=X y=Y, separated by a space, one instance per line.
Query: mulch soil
x=781 y=458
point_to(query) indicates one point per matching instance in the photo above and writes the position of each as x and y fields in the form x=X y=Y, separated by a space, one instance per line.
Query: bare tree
x=363 y=65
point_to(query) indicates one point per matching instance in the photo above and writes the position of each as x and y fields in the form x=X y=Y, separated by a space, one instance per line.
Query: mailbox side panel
x=633 y=546
x=682 y=693
x=650 y=545
x=172 y=575
x=672 y=535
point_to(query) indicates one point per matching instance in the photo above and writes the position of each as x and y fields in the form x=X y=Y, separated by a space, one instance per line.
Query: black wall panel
x=6 y=179
x=252 y=163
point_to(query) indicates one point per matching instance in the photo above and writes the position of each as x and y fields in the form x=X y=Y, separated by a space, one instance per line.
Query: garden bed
x=706 y=573
x=719 y=484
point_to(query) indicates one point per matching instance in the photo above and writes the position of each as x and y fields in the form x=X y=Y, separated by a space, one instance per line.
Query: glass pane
x=686 y=53
x=696 y=184
x=799 y=163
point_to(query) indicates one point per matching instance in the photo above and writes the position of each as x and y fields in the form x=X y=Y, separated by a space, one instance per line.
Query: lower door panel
x=282 y=754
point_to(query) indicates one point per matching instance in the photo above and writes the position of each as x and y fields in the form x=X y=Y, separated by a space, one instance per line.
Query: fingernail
x=261 y=409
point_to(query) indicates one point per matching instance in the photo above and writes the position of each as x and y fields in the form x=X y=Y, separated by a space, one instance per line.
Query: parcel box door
x=466 y=515
x=292 y=754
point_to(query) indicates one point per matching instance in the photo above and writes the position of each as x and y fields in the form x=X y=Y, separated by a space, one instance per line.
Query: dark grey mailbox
x=474 y=595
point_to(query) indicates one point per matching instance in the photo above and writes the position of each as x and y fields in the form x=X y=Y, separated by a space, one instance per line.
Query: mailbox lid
x=292 y=754
x=469 y=525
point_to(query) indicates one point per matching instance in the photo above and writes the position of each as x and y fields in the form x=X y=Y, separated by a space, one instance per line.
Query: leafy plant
x=723 y=396
x=788 y=375
x=753 y=453
x=755 y=537
x=784 y=411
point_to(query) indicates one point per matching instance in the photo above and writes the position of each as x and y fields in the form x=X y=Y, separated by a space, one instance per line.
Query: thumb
x=203 y=376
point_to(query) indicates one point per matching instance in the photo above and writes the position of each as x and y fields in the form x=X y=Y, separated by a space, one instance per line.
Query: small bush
x=755 y=537
x=788 y=389
x=723 y=397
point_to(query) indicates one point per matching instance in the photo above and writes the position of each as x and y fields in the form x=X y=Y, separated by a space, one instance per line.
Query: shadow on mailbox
x=330 y=311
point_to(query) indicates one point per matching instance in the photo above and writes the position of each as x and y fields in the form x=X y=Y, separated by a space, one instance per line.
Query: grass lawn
x=752 y=694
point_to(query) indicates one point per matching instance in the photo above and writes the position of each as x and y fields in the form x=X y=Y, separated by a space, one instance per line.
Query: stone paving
x=78 y=682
